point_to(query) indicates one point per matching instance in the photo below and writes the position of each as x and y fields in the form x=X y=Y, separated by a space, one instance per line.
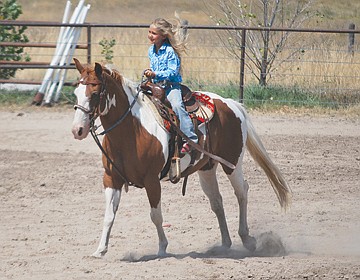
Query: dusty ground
x=51 y=207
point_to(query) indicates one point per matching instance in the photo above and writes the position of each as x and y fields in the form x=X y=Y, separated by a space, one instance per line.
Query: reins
x=95 y=135
x=199 y=148
x=93 y=128
x=97 y=141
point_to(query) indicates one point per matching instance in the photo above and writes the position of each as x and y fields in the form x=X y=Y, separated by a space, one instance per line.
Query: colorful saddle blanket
x=199 y=106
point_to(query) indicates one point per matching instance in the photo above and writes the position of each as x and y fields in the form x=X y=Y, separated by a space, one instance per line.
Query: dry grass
x=324 y=65
x=321 y=66
x=336 y=14
x=118 y=11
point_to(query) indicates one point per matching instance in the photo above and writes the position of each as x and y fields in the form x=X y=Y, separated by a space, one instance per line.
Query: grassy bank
x=22 y=98
x=255 y=97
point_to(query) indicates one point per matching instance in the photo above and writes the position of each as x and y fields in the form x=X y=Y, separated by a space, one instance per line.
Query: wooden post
x=351 y=39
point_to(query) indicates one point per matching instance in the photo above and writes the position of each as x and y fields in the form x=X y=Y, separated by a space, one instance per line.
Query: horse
x=135 y=149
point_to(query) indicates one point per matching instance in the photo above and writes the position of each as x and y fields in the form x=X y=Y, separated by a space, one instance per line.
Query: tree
x=262 y=46
x=10 y=10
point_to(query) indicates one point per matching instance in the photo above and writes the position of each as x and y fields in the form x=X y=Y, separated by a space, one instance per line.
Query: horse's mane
x=109 y=69
x=113 y=72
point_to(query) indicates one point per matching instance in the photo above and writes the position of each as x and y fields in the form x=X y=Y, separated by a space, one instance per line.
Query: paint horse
x=135 y=150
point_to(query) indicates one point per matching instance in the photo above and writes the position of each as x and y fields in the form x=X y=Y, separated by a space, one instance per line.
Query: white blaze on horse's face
x=81 y=122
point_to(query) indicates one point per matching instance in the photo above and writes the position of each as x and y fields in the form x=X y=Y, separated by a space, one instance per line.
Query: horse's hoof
x=162 y=254
x=98 y=254
x=226 y=243
x=249 y=242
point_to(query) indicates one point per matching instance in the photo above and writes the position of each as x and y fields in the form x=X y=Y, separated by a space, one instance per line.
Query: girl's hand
x=150 y=74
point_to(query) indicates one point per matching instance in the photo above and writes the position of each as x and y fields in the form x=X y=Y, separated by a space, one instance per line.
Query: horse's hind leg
x=241 y=191
x=112 y=198
x=210 y=187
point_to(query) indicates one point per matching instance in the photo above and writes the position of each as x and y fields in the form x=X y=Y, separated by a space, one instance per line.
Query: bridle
x=93 y=111
x=94 y=108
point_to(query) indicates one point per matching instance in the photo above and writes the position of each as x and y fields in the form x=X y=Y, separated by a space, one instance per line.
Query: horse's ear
x=98 y=70
x=78 y=65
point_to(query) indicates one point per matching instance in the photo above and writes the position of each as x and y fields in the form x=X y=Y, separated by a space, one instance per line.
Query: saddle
x=199 y=106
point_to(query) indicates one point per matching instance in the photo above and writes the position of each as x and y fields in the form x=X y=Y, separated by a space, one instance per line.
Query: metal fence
x=326 y=63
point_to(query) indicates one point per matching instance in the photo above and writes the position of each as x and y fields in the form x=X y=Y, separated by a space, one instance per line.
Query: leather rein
x=93 y=114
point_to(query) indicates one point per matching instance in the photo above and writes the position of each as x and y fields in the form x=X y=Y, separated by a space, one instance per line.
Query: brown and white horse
x=137 y=147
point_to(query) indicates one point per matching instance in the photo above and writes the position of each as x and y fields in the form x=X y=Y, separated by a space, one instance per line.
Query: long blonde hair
x=176 y=35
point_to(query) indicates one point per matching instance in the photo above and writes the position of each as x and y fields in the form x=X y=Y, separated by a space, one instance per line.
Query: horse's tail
x=260 y=155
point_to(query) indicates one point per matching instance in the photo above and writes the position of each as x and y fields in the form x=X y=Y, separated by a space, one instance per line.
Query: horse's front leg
x=154 y=196
x=112 y=198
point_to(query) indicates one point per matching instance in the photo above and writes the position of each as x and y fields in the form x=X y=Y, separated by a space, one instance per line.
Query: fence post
x=351 y=39
x=88 y=44
x=242 y=65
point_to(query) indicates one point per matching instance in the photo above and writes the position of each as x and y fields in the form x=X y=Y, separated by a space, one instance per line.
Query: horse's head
x=88 y=94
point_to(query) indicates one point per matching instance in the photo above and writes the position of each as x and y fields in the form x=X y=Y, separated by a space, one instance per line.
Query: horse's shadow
x=268 y=245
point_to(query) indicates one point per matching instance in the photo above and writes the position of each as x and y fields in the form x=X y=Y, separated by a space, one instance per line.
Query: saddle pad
x=206 y=109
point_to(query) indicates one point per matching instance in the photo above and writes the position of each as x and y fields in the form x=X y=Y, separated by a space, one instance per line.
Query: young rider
x=165 y=62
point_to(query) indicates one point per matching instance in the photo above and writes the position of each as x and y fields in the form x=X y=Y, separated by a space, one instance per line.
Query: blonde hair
x=175 y=34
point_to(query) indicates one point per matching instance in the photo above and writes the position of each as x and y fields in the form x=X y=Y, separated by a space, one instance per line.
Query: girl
x=164 y=54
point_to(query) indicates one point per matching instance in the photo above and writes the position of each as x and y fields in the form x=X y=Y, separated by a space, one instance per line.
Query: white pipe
x=68 y=51
x=47 y=78
x=59 y=41
x=70 y=55
x=67 y=55
x=59 y=51
x=63 y=50
x=64 y=20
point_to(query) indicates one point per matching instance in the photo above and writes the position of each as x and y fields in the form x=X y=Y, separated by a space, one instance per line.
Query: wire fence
x=321 y=62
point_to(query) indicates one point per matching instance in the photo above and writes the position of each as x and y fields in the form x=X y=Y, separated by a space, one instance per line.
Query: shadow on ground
x=269 y=244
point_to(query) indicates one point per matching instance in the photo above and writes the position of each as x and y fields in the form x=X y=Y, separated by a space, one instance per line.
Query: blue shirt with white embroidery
x=165 y=63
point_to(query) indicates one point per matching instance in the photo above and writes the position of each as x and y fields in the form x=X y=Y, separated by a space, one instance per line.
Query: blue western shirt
x=165 y=63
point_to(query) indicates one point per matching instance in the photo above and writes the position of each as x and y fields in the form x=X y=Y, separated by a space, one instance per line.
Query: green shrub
x=107 y=49
x=10 y=10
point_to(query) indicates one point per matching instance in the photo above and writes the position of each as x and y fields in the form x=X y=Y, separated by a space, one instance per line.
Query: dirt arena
x=52 y=205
